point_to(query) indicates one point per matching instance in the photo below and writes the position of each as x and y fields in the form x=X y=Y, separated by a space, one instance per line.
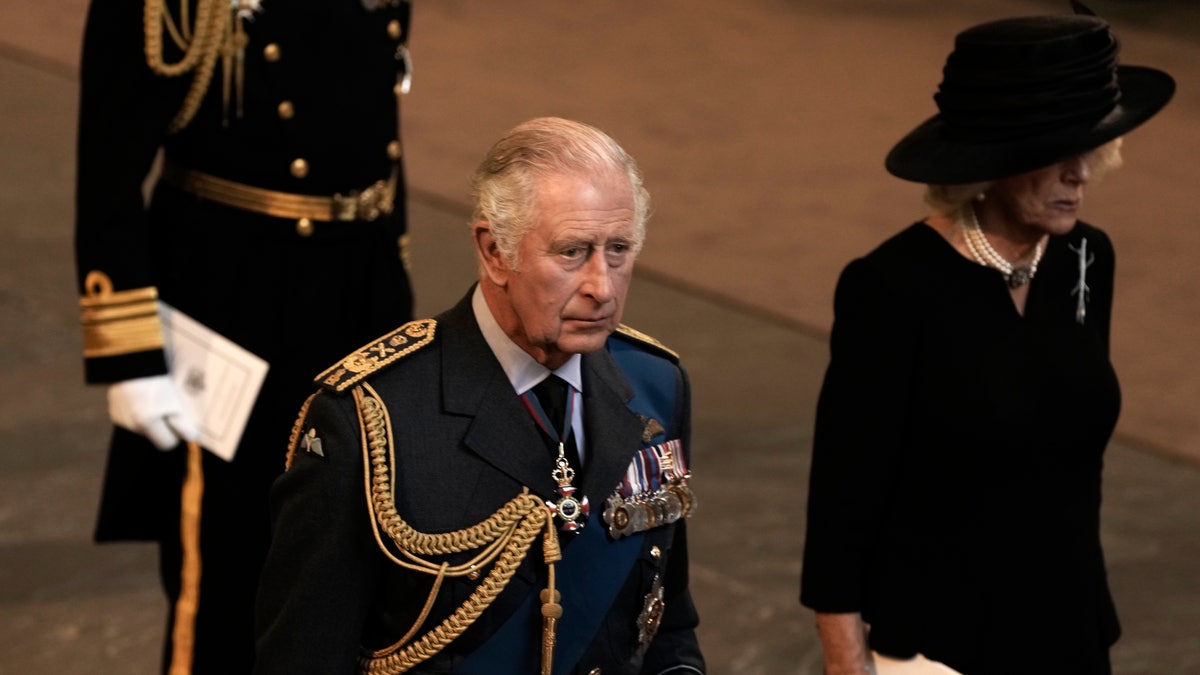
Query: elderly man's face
x=575 y=268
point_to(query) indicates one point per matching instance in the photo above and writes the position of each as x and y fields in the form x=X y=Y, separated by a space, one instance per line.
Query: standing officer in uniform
x=446 y=511
x=278 y=222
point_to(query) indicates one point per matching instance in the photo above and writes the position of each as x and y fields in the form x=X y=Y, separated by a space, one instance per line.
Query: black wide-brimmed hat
x=1020 y=94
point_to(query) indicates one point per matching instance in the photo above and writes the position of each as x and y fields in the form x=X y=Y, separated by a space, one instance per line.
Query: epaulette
x=377 y=355
x=640 y=338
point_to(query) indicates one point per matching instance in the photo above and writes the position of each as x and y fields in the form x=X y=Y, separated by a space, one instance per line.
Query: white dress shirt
x=524 y=373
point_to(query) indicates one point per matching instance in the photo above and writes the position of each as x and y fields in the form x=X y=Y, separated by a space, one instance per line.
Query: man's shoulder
x=378 y=355
x=627 y=335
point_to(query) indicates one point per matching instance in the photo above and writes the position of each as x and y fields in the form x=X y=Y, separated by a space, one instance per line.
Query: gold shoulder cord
x=504 y=538
x=216 y=33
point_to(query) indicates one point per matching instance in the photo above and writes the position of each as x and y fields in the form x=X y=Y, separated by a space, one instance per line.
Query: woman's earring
x=980 y=197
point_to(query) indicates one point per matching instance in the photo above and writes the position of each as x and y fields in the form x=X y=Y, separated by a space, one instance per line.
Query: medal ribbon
x=651 y=466
x=534 y=406
x=571 y=510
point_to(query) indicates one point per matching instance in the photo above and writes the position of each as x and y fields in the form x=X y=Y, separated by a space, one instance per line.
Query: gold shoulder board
x=378 y=355
x=634 y=335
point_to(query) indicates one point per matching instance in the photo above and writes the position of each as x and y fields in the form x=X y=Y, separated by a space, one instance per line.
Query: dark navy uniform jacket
x=464 y=445
x=317 y=115
x=319 y=87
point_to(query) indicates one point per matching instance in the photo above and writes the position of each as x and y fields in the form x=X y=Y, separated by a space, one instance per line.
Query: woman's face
x=1045 y=200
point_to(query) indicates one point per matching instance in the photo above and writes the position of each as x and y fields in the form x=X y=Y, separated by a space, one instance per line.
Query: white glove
x=151 y=406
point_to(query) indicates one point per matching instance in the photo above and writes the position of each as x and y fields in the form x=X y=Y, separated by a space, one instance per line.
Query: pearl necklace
x=981 y=249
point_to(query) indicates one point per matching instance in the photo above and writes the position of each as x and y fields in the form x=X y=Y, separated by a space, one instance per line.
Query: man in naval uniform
x=444 y=511
x=278 y=222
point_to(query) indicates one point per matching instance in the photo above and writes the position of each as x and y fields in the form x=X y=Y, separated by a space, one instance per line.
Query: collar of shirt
x=523 y=372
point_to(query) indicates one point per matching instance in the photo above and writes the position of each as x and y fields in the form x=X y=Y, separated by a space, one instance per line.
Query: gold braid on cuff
x=116 y=323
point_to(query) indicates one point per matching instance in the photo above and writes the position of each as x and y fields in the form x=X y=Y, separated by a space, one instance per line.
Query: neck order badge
x=553 y=402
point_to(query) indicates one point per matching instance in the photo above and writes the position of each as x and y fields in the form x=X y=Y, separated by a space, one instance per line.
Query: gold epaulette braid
x=503 y=539
x=201 y=47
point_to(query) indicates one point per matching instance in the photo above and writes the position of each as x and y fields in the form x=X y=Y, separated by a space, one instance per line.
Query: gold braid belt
x=359 y=205
x=503 y=539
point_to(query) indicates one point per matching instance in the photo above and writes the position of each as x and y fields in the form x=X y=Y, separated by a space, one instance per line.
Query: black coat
x=955 y=489
x=464 y=445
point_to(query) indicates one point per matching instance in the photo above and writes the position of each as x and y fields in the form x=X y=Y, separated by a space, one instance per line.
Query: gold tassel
x=183 y=634
x=551 y=608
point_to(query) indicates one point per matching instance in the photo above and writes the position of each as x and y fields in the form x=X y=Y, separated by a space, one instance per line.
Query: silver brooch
x=1081 y=289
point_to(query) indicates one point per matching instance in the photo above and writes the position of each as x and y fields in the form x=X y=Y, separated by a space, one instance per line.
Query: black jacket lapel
x=502 y=433
x=613 y=430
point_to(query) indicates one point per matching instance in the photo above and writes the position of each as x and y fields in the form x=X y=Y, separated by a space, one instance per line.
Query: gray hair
x=947 y=200
x=504 y=187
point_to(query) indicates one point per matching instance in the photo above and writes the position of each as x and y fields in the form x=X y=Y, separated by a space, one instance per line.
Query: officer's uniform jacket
x=304 y=104
x=461 y=445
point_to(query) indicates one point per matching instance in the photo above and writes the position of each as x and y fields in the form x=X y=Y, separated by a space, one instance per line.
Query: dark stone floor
x=70 y=607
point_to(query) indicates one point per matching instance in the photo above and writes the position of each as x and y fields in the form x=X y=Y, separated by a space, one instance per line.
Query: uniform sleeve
x=322 y=566
x=124 y=110
x=862 y=412
x=675 y=648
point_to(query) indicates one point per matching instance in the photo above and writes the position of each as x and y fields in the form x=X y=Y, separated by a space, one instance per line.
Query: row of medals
x=647 y=510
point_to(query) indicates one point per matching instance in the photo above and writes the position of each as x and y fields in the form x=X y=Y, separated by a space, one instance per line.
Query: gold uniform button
x=299 y=168
x=594 y=671
x=271 y=52
x=395 y=150
x=394 y=29
x=304 y=227
x=655 y=552
x=405 y=259
x=286 y=110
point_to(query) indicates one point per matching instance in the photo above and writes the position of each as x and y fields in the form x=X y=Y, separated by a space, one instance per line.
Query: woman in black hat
x=955 y=487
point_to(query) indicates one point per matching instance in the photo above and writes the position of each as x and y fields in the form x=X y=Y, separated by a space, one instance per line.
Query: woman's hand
x=844 y=644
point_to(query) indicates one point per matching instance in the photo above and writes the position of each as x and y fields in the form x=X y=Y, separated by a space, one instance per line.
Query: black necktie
x=552 y=394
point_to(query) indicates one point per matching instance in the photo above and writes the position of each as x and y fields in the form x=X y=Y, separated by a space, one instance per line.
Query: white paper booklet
x=917 y=666
x=218 y=379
